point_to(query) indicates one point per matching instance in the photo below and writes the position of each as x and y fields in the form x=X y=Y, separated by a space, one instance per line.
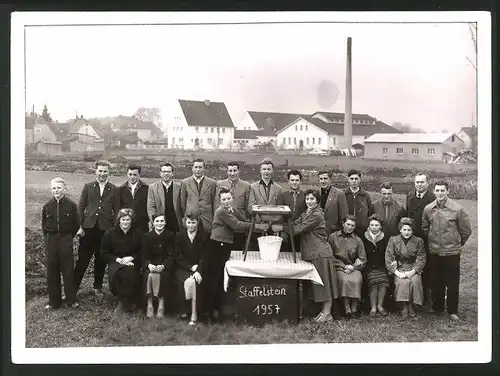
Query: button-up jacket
x=202 y=203
x=191 y=253
x=346 y=249
x=311 y=228
x=446 y=228
x=96 y=209
x=395 y=212
x=258 y=196
x=156 y=200
x=360 y=205
x=336 y=209
x=158 y=249
x=375 y=250
x=415 y=208
x=60 y=217
x=407 y=256
x=137 y=202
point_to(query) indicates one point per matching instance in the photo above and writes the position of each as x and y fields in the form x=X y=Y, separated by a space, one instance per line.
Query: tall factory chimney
x=347 y=144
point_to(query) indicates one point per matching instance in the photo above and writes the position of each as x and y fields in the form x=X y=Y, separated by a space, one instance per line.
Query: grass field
x=94 y=323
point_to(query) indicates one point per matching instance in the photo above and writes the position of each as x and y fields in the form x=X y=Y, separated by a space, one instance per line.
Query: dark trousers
x=59 y=256
x=426 y=273
x=445 y=276
x=90 y=245
x=214 y=277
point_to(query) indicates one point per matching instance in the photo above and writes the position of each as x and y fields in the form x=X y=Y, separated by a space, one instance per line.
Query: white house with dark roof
x=313 y=132
x=468 y=136
x=413 y=146
x=200 y=125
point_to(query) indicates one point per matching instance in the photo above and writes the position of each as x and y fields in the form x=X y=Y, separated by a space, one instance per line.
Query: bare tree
x=151 y=114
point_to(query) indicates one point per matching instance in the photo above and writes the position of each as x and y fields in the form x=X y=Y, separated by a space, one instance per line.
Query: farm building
x=200 y=125
x=146 y=130
x=36 y=129
x=244 y=140
x=469 y=136
x=49 y=147
x=320 y=132
x=413 y=146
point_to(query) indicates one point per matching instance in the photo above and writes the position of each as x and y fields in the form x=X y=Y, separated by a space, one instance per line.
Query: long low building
x=413 y=146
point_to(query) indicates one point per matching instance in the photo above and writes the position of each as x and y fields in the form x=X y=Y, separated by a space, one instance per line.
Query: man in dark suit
x=333 y=202
x=198 y=195
x=389 y=210
x=359 y=201
x=98 y=207
x=416 y=200
x=133 y=194
x=164 y=198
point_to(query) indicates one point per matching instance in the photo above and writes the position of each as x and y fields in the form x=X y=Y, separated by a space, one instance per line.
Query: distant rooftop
x=410 y=138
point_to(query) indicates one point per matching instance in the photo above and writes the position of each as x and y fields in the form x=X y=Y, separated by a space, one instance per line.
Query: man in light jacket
x=198 y=195
x=447 y=226
x=164 y=198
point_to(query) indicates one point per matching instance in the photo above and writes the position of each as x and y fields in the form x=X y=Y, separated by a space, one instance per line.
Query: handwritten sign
x=263 y=300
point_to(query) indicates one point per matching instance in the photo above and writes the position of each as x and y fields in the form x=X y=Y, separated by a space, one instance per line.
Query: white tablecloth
x=283 y=267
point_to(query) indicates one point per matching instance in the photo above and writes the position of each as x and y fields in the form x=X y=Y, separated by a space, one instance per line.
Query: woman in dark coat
x=350 y=258
x=377 y=280
x=314 y=248
x=190 y=249
x=157 y=263
x=405 y=259
x=120 y=249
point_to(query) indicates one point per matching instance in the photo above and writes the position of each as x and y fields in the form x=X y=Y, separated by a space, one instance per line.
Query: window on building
x=319 y=140
x=223 y=130
x=181 y=140
x=314 y=141
x=399 y=151
x=209 y=141
x=295 y=141
x=246 y=141
x=384 y=151
x=334 y=141
x=221 y=141
x=453 y=138
x=289 y=140
x=414 y=151
x=196 y=129
x=306 y=127
x=206 y=129
x=38 y=130
x=307 y=140
x=173 y=140
x=212 y=130
x=192 y=140
x=301 y=127
x=296 y=127
x=431 y=151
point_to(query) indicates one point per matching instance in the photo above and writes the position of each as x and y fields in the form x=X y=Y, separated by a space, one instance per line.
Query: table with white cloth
x=268 y=290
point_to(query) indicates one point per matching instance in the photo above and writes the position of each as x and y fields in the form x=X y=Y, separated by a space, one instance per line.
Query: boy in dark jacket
x=60 y=222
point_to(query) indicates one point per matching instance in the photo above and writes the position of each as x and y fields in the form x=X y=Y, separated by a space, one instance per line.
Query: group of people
x=182 y=233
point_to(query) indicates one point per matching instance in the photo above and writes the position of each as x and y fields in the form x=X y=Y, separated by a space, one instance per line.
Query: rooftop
x=410 y=138
x=206 y=113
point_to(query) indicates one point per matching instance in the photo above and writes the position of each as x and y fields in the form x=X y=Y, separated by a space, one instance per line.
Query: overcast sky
x=411 y=73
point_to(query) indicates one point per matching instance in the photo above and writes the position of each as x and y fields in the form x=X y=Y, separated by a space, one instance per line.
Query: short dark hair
x=200 y=160
x=349 y=217
x=266 y=161
x=374 y=217
x=233 y=163
x=224 y=190
x=192 y=216
x=293 y=172
x=102 y=162
x=134 y=166
x=322 y=172
x=386 y=185
x=157 y=215
x=405 y=221
x=314 y=192
x=167 y=164
x=353 y=171
x=442 y=182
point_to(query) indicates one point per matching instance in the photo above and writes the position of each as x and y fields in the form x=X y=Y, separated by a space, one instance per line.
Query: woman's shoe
x=150 y=312
x=318 y=316
x=192 y=322
x=373 y=313
x=325 y=317
x=161 y=313
x=383 y=312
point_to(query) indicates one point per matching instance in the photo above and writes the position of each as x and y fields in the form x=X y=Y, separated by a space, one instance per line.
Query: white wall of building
x=302 y=132
x=337 y=140
x=247 y=123
x=144 y=134
x=88 y=129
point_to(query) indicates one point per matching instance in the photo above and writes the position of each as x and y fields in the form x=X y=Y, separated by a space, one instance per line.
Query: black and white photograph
x=268 y=187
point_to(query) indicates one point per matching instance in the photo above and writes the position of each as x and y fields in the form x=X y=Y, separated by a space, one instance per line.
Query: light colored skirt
x=376 y=278
x=350 y=284
x=328 y=274
x=409 y=289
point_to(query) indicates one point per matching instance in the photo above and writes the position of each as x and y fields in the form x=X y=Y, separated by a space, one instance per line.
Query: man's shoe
x=75 y=305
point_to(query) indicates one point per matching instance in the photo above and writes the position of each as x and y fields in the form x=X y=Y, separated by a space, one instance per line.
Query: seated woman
x=227 y=220
x=350 y=258
x=190 y=250
x=157 y=263
x=377 y=280
x=314 y=248
x=405 y=258
x=121 y=249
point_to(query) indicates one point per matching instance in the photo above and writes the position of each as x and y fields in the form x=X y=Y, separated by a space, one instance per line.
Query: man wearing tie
x=333 y=202
x=198 y=195
x=133 y=194
x=164 y=198
x=240 y=189
x=98 y=207
x=416 y=200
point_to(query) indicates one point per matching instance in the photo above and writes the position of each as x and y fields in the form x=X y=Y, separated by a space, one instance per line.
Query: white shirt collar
x=355 y=192
x=191 y=236
x=198 y=180
x=167 y=185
